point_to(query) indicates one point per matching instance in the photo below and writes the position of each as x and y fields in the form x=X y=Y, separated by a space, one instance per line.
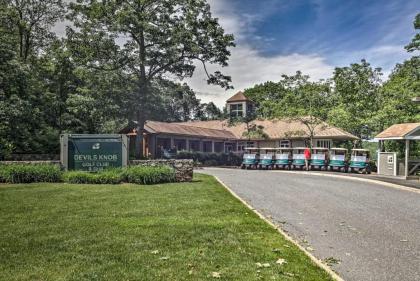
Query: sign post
x=93 y=152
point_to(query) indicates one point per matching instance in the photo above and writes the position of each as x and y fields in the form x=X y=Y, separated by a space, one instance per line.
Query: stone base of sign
x=183 y=168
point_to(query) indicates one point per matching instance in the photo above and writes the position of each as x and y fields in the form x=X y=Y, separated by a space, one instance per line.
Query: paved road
x=372 y=229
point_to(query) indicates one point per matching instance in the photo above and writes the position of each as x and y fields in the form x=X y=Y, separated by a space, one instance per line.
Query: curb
x=318 y=262
x=383 y=183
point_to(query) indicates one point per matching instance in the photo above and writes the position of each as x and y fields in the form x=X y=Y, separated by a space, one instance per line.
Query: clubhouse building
x=222 y=136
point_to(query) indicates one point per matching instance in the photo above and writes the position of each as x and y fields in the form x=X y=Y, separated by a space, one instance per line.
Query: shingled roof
x=276 y=129
x=398 y=131
x=155 y=127
x=239 y=96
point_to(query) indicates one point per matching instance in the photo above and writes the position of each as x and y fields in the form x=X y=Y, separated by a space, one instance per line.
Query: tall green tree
x=356 y=98
x=174 y=101
x=414 y=45
x=149 y=39
x=294 y=97
x=397 y=93
x=31 y=22
x=211 y=112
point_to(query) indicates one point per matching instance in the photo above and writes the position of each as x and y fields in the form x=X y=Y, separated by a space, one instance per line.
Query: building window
x=236 y=110
x=284 y=144
x=241 y=146
x=219 y=147
x=207 y=146
x=323 y=143
x=194 y=145
x=180 y=144
x=229 y=147
x=250 y=144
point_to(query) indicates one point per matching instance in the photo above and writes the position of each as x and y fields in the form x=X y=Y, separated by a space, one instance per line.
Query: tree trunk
x=139 y=136
x=143 y=96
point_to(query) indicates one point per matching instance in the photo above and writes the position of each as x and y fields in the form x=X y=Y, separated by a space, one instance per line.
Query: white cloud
x=247 y=66
x=383 y=56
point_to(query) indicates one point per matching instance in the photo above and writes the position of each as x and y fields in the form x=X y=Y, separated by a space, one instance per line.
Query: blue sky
x=277 y=36
x=326 y=27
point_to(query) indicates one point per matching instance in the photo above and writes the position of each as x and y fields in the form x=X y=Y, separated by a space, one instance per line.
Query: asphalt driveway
x=366 y=231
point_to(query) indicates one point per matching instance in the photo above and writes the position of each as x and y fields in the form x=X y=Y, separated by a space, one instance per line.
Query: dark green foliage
x=26 y=173
x=149 y=174
x=111 y=176
x=161 y=37
x=134 y=174
x=211 y=159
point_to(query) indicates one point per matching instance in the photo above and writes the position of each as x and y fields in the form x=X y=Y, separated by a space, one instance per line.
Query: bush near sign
x=93 y=152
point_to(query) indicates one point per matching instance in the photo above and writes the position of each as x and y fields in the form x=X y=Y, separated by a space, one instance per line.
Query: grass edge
x=314 y=259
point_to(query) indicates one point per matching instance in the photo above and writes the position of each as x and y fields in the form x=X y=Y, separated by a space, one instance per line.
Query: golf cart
x=319 y=158
x=298 y=158
x=266 y=158
x=360 y=161
x=250 y=158
x=338 y=159
x=282 y=158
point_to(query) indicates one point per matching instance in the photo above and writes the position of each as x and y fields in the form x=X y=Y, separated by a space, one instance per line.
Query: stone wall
x=183 y=168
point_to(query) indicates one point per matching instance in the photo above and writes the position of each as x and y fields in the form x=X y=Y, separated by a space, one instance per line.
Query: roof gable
x=399 y=131
x=239 y=96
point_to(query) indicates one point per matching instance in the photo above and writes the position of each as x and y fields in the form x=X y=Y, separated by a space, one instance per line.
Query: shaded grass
x=102 y=232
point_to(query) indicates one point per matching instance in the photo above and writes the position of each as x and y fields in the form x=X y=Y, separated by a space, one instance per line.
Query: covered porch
x=408 y=133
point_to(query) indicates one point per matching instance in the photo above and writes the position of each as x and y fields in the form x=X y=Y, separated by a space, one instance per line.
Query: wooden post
x=407 y=155
x=172 y=142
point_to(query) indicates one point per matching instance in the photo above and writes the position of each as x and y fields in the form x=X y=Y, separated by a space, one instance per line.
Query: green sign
x=95 y=152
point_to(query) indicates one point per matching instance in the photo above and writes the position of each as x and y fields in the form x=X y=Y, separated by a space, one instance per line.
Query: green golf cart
x=298 y=160
x=337 y=159
x=283 y=158
x=266 y=158
x=250 y=158
x=319 y=158
x=359 y=161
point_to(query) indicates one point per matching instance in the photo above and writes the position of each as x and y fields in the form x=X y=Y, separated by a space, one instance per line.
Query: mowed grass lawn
x=181 y=231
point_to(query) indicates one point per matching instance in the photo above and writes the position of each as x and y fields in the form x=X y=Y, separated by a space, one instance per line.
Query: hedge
x=27 y=173
x=110 y=176
x=149 y=174
x=210 y=158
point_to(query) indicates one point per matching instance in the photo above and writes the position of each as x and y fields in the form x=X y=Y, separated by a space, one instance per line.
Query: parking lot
x=366 y=231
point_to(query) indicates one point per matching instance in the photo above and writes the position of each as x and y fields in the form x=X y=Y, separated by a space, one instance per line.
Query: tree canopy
x=124 y=60
x=149 y=39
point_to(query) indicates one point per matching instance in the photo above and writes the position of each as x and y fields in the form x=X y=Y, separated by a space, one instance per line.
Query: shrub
x=149 y=174
x=27 y=173
x=79 y=177
x=111 y=176
x=210 y=158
